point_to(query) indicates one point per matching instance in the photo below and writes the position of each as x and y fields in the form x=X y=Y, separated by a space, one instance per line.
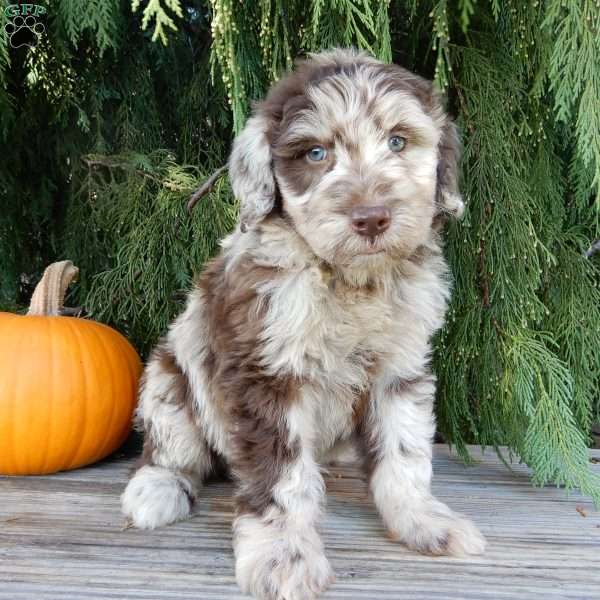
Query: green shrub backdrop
x=121 y=110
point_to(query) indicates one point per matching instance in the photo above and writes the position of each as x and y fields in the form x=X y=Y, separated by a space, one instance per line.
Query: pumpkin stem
x=49 y=294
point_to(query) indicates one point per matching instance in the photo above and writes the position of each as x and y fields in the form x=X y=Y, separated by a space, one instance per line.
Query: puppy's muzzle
x=370 y=220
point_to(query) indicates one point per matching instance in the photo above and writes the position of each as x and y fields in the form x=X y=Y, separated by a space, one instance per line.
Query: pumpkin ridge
x=133 y=367
x=67 y=458
x=85 y=416
x=10 y=442
x=20 y=458
x=101 y=452
x=50 y=385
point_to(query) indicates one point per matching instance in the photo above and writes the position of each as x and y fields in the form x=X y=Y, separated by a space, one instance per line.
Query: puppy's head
x=360 y=154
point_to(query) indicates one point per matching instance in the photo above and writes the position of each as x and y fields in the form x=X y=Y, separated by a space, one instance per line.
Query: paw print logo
x=24 y=31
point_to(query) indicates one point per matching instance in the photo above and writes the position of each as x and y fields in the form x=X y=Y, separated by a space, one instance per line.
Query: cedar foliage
x=124 y=108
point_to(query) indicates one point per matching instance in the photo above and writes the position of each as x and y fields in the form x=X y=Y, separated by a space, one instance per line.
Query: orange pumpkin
x=67 y=385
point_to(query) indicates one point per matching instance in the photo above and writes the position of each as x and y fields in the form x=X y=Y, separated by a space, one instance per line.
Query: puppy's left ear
x=448 y=198
x=251 y=172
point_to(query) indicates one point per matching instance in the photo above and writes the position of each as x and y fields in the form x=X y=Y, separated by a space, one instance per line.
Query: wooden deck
x=61 y=538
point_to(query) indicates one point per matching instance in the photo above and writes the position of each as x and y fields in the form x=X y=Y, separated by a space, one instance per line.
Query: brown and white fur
x=304 y=335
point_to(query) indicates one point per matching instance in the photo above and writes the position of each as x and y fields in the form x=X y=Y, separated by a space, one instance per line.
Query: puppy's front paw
x=284 y=574
x=280 y=565
x=156 y=496
x=435 y=529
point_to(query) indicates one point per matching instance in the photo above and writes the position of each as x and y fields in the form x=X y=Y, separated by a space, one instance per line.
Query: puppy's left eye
x=396 y=143
x=317 y=153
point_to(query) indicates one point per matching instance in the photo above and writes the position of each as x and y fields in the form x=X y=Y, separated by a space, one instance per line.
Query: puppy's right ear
x=251 y=172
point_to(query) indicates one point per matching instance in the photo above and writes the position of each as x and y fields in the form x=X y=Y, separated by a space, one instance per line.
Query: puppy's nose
x=370 y=220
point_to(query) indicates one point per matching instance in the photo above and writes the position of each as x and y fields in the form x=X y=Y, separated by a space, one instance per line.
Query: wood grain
x=61 y=537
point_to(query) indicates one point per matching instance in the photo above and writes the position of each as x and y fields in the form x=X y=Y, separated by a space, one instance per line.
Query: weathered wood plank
x=61 y=537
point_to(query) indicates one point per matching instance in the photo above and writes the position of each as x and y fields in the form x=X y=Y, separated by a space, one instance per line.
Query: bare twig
x=595 y=247
x=205 y=188
x=111 y=164
x=99 y=161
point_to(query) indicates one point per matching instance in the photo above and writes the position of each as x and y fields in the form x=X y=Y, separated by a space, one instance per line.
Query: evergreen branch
x=147 y=253
x=205 y=188
x=483 y=272
x=100 y=17
x=575 y=76
x=439 y=17
x=466 y=8
x=555 y=447
x=382 y=35
x=485 y=286
x=155 y=11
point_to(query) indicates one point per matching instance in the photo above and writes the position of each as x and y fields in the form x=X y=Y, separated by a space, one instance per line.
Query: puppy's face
x=356 y=163
x=358 y=151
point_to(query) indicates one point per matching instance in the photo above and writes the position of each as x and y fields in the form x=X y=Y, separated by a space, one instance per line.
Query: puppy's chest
x=338 y=340
x=359 y=338
x=338 y=336
x=359 y=327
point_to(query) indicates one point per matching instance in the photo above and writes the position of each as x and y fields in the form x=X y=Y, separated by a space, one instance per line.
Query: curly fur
x=303 y=335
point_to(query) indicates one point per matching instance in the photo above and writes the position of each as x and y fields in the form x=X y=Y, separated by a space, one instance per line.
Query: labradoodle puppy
x=312 y=327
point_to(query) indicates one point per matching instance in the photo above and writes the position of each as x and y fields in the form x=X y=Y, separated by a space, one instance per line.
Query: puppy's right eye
x=396 y=143
x=317 y=153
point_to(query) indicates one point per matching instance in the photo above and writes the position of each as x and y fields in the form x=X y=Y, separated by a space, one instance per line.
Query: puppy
x=312 y=328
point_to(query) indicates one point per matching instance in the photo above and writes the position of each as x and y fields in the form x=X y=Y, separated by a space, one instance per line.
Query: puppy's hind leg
x=176 y=456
